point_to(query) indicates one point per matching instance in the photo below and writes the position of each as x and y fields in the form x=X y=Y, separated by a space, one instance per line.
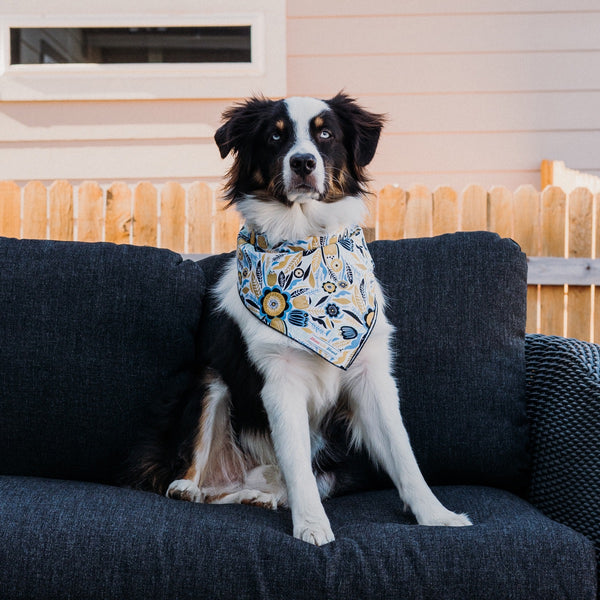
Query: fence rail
x=552 y=227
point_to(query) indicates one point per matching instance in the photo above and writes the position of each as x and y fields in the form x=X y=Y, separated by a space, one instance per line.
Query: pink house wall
x=474 y=92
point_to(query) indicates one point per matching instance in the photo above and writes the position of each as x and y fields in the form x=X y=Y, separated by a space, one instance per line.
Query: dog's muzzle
x=303 y=179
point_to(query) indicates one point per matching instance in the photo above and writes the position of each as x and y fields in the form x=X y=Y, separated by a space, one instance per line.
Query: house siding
x=475 y=92
x=105 y=141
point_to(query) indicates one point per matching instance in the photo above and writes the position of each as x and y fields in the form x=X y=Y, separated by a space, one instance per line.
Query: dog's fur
x=259 y=430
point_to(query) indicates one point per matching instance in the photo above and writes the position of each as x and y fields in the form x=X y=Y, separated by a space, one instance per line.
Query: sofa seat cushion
x=81 y=540
x=91 y=336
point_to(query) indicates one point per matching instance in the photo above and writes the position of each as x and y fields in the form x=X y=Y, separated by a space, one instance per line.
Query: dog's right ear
x=222 y=138
x=241 y=123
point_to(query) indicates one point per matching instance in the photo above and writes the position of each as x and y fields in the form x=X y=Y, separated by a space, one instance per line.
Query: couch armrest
x=563 y=403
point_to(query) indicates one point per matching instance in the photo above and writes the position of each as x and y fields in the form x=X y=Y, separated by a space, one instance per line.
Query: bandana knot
x=319 y=292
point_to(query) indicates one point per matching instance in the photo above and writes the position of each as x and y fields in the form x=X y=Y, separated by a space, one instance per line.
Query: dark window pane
x=131 y=45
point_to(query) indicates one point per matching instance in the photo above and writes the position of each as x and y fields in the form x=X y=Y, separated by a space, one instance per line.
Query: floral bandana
x=319 y=292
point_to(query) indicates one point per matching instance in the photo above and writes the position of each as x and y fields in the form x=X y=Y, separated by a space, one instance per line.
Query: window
x=179 y=55
x=110 y=45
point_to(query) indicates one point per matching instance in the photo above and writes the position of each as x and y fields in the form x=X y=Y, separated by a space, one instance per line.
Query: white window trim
x=265 y=74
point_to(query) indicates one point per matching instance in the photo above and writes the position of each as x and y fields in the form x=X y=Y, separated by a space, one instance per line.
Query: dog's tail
x=164 y=450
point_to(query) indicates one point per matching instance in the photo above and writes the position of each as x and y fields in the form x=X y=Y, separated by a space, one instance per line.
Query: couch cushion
x=458 y=303
x=81 y=540
x=91 y=335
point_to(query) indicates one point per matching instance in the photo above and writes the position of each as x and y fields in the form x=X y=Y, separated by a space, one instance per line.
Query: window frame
x=266 y=73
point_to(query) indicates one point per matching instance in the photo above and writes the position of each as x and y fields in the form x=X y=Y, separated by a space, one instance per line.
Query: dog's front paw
x=184 y=489
x=446 y=519
x=317 y=534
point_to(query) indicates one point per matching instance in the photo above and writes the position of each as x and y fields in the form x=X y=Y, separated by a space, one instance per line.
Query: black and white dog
x=314 y=339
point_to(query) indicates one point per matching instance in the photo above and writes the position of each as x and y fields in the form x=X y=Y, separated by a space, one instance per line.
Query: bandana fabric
x=319 y=292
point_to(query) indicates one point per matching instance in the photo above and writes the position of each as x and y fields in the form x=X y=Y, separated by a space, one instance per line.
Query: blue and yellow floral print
x=319 y=292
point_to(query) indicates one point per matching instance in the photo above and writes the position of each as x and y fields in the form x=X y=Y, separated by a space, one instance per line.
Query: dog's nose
x=303 y=164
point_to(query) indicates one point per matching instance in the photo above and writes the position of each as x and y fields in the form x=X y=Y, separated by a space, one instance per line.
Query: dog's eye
x=275 y=137
x=325 y=134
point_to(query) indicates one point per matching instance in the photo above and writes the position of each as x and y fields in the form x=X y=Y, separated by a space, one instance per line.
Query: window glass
x=108 y=45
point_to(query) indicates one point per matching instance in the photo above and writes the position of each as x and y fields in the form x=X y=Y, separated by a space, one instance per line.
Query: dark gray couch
x=505 y=427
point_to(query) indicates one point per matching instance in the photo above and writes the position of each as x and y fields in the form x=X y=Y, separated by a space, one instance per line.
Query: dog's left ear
x=361 y=128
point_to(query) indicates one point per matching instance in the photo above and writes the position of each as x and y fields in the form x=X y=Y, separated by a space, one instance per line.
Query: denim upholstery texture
x=83 y=540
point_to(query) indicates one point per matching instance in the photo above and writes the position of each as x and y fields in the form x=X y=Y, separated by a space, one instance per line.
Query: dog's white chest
x=270 y=351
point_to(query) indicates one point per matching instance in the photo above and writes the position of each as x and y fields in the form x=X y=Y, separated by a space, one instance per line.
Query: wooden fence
x=555 y=229
x=187 y=220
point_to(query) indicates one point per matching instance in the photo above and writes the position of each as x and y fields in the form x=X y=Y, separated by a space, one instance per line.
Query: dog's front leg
x=286 y=403
x=377 y=424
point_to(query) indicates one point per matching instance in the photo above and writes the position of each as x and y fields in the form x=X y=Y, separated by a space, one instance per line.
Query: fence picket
x=172 y=217
x=445 y=211
x=369 y=224
x=118 y=214
x=473 y=209
x=227 y=226
x=580 y=245
x=552 y=297
x=35 y=211
x=526 y=223
x=200 y=218
x=418 y=221
x=90 y=209
x=526 y=232
x=60 y=211
x=391 y=211
x=145 y=215
x=10 y=209
x=500 y=211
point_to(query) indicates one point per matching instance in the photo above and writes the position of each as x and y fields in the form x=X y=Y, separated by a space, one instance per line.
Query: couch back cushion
x=91 y=336
x=458 y=303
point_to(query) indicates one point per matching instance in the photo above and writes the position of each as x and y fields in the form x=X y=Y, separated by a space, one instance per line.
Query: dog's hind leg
x=216 y=459
x=262 y=486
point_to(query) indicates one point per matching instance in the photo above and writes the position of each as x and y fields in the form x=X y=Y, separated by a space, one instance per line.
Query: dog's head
x=299 y=149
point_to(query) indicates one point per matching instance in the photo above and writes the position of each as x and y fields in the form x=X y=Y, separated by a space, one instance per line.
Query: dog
x=303 y=338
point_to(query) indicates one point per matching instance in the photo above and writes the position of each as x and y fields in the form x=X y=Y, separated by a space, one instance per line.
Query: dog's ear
x=361 y=128
x=241 y=123
x=223 y=137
